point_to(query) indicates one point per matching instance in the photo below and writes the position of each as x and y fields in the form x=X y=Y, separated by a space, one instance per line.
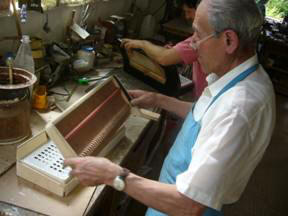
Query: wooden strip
x=30 y=145
x=149 y=114
x=17 y=20
x=7 y=157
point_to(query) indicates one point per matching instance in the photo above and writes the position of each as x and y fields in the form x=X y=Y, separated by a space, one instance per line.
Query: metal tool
x=90 y=87
x=72 y=92
x=46 y=27
x=122 y=88
x=95 y=83
x=86 y=81
x=9 y=63
x=85 y=13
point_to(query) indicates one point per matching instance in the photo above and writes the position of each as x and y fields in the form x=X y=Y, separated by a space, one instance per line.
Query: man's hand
x=143 y=99
x=93 y=171
x=129 y=44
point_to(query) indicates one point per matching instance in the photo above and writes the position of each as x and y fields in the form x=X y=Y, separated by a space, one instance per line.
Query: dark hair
x=190 y=3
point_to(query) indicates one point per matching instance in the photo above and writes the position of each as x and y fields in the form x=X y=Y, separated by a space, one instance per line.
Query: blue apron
x=179 y=157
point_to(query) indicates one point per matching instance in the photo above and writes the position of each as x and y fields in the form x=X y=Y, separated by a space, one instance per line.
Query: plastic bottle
x=24 y=60
x=23 y=13
x=24 y=57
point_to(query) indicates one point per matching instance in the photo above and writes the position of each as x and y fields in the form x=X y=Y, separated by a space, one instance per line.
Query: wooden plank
x=30 y=145
x=147 y=66
x=144 y=113
x=17 y=19
x=25 y=194
x=7 y=157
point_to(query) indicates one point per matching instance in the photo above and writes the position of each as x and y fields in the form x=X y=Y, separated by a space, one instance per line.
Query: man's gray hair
x=241 y=16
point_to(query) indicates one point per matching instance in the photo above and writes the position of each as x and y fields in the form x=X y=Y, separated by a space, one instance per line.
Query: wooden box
x=163 y=78
x=93 y=125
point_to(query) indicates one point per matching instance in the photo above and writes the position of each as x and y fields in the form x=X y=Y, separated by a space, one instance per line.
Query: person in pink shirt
x=189 y=56
x=180 y=53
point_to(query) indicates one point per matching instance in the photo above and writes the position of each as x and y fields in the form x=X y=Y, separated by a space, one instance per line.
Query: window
x=277 y=8
x=45 y=4
x=49 y=4
x=74 y=2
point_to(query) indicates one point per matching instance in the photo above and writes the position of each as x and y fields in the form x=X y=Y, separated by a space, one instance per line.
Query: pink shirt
x=189 y=56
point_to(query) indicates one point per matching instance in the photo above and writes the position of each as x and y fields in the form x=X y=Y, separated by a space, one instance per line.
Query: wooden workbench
x=18 y=192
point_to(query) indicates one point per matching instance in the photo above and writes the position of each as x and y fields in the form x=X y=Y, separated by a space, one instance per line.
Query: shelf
x=281 y=70
x=5 y=14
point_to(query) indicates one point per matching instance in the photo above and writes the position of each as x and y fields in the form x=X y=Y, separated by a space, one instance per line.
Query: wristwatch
x=119 y=181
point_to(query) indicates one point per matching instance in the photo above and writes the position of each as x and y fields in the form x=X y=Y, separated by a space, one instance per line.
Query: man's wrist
x=116 y=172
x=143 y=44
x=159 y=100
x=119 y=182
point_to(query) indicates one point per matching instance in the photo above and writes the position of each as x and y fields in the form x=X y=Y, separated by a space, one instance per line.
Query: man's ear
x=231 y=41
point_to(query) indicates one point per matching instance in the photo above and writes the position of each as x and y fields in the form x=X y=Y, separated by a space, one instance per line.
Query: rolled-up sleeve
x=216 y=160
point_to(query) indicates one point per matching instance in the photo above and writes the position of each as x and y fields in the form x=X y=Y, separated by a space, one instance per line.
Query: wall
x=58 y=20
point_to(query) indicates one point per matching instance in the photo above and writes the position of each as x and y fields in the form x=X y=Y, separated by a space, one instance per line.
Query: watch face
x=118 y=184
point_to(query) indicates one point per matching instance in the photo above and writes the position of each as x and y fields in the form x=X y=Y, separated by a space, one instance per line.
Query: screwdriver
x=86 y=81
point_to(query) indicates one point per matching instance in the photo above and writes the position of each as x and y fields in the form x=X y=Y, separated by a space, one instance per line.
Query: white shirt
x=235 y=131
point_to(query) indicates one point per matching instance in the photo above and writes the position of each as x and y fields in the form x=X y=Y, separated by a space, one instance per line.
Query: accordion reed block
x=86 y=127
x=92 y=126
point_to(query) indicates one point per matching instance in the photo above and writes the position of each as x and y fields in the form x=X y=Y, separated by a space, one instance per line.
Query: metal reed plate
x=48 y=160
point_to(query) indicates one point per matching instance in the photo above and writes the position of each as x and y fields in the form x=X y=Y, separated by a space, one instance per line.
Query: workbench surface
x=18 y=192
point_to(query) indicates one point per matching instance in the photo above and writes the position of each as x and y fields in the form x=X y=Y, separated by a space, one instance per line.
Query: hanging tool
x=46 y=27
x=85 y=12
x=9 y=63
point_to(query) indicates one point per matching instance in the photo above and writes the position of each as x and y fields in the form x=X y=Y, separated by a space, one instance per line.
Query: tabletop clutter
x=29 y=74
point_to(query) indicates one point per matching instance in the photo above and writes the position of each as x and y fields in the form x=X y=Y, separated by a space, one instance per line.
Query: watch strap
x=124 y=173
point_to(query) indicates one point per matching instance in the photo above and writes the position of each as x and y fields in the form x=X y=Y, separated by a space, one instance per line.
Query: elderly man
x=180 y=53
x=224 y=135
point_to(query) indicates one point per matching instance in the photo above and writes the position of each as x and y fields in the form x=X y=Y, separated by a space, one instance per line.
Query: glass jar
x=87 y=54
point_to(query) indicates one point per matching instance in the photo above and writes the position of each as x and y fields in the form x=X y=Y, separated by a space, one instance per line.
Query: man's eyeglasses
x=195 y=45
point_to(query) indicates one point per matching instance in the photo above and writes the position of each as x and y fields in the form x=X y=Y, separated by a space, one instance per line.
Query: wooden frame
x=163 y=78
x=90 y=121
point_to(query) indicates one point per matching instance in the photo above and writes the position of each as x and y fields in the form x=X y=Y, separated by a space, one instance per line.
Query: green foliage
x=277 y=8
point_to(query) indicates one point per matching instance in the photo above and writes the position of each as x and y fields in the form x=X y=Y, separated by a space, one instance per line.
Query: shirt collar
x=215 y=87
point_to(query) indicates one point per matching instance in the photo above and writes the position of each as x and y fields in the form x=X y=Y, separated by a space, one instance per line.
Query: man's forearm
x=180 y=108
x=162 y=55
x=160 y=196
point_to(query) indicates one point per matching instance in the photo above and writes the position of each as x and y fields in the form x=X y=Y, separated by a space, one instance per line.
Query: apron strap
x=233 y=82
